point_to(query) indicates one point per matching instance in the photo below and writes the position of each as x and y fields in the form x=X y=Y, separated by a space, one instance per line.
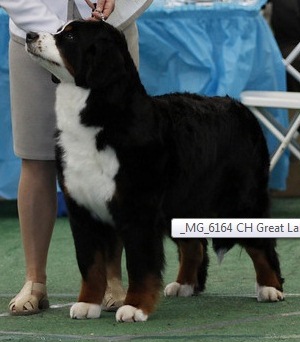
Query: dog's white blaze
x=45 y=52
x=89 y=173
x=47 y=47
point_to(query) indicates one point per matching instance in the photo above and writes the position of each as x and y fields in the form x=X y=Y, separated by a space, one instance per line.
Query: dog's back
x=213 y=157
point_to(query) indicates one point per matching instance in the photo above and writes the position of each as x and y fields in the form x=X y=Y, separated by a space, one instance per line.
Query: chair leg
x=286 y=141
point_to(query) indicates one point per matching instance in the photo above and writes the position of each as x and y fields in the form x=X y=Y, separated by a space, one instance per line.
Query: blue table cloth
x=214 y=48
x=9 y=164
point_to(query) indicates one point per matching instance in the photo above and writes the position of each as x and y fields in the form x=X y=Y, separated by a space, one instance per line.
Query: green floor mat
x=226 y=311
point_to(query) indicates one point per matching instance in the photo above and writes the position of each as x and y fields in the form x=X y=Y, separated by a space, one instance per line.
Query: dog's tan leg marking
x=140 y=300
x=92 y=291
x=268 y=285
x=115 y=294
x=190 y=258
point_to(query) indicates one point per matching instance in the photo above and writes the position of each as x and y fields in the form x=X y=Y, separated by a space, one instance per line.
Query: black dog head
x=90 y=54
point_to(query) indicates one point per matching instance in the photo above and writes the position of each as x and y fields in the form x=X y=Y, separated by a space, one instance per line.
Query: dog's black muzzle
x=31 y=37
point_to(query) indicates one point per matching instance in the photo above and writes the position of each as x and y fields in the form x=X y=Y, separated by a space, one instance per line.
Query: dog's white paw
x=268 y=294
x=128 y=313
x=83 y=310
x=175 y=289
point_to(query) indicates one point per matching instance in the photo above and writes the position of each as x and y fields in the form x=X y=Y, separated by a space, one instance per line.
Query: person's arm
x=31 y=15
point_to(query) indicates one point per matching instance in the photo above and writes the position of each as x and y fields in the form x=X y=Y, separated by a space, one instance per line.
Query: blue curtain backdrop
x=9 y=163
x=219 y=49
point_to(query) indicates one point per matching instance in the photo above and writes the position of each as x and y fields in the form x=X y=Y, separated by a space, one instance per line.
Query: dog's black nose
x=31 y=36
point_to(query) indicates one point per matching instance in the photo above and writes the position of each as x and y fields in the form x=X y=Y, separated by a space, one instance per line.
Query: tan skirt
x=32 y=105
x=32 y=100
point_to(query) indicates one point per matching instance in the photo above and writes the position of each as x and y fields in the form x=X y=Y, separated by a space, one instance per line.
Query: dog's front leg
x=92 y=291
x=91 y=250
x=145 y=262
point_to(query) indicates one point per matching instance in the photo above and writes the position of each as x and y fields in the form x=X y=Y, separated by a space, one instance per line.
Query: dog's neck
x=121 y=92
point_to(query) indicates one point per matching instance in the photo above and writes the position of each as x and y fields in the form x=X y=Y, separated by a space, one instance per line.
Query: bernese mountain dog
x=128 y=163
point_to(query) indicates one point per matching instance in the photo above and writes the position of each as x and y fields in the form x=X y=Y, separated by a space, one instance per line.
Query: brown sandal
x=114 y=296
x=30 y=300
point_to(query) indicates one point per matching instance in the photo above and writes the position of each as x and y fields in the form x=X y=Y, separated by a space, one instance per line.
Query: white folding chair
x=259 y=101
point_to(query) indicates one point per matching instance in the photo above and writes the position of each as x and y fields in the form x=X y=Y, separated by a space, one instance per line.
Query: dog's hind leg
x=268 y=275
x=192 y=273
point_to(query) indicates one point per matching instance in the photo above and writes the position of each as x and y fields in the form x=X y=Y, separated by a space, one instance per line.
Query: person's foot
x=30 y=300
x=114 y=297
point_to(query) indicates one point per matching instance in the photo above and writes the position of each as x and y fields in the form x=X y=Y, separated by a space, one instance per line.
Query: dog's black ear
x=103 y=65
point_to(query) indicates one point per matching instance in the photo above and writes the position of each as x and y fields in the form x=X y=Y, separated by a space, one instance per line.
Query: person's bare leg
x=37 y=206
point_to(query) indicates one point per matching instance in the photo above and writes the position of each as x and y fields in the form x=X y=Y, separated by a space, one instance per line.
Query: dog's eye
x=69 y=36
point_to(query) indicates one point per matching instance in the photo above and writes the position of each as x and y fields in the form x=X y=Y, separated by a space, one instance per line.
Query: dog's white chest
x=88 y=173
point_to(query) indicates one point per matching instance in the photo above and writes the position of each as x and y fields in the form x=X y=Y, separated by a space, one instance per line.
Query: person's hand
x=102 y=9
